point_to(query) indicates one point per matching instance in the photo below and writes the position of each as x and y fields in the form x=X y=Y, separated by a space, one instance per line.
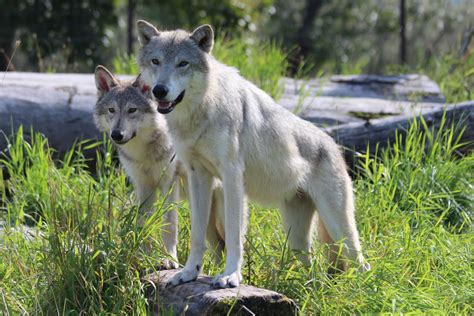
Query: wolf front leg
x=146 y=194
x=169 y=231
x=235 y=221
x=200 y=188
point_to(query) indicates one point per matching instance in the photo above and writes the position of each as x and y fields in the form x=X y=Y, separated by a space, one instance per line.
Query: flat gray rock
x=199 y=298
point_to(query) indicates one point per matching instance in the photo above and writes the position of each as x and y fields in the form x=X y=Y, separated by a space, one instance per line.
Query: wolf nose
x=116 y=135
x=160 y=91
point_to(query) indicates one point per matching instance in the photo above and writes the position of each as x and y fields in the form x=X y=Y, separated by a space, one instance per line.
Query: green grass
x=454 y=76
x=89 y=256
x=414 y=212
x=263 y=64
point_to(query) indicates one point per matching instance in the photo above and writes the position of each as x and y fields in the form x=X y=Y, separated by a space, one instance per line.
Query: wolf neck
x=207 y=92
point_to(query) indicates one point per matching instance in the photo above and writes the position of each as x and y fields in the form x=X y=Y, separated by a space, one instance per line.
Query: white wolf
x=127 y=113
x=225 y=127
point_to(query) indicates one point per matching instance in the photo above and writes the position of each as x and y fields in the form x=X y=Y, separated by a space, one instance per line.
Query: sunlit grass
x=414 y=212
x=88 y=255
x=263 y=64
x=84 y=252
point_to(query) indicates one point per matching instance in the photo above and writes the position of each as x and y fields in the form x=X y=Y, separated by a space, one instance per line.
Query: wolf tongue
x=164 y=104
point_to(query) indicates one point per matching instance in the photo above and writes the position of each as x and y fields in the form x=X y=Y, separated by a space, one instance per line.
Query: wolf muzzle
x=165 y=107
x=118 y=137
x=160 y=91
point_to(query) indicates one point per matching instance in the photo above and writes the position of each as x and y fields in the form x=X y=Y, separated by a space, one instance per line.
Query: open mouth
x=165 y=107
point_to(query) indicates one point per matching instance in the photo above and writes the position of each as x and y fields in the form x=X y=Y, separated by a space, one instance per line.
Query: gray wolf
x=126 y=112
x=225 y=127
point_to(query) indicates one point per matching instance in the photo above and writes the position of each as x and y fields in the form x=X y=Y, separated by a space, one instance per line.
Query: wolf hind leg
x=335 y=204
x=332 y=251
x=298 y=217
x=215 y=231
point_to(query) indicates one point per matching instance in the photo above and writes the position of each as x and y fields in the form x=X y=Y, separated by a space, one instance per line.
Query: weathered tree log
x=409 y=87
x=347 y=99
x=199 y=298
x=355 y=137
x=60 y=106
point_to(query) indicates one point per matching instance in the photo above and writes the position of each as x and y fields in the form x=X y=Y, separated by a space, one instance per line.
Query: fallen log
x=355 y=137
x=199 y=298
x=60 y=106
x=339 y=100
x=408 y=87
x=57 y=106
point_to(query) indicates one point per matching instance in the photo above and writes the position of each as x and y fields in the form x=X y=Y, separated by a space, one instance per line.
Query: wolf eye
x=183 y=64
x=132 y=110
x=155 y=61
x=111 y=110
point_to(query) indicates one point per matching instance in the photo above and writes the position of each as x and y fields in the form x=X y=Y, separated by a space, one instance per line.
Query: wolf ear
x=139 y=84
x=204 y=37
x=104 y=80
x=146 y=31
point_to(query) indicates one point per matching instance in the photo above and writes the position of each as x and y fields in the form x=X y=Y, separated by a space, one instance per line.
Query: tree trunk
x=131 y=23
x=304 y=41
x=6 y=50
x=355 y=137
x=403 y=38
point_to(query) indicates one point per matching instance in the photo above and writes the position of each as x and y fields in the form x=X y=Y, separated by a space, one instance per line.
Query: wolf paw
x=227 y=280
x=168 y=264
x=183 y=276
x=365 y=267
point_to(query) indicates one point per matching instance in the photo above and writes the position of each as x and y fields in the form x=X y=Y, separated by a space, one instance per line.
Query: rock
x=199 y=298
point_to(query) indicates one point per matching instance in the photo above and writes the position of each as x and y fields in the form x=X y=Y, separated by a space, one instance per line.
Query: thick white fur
x=149 y=161
x=150 y=169
x=227 y=128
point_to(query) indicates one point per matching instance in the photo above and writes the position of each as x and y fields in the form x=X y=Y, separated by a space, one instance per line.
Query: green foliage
x=414 y=213
x=362 y=34
x=455 y=76
x=347 y=32
x=57 y=34
x=88 y=253
x=124 y=64
x=263 y=64
x=224 y=15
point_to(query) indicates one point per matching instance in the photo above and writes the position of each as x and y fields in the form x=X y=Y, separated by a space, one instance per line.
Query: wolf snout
x=160 y=91
x=116 y=135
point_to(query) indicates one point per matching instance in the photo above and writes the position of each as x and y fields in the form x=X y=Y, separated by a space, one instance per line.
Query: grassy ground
x=84 y=252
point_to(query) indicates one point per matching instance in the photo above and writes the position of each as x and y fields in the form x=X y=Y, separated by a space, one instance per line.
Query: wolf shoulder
x=255 y=109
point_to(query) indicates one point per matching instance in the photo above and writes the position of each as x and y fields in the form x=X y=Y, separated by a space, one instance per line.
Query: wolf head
x=174 y=62
x=123 y=108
